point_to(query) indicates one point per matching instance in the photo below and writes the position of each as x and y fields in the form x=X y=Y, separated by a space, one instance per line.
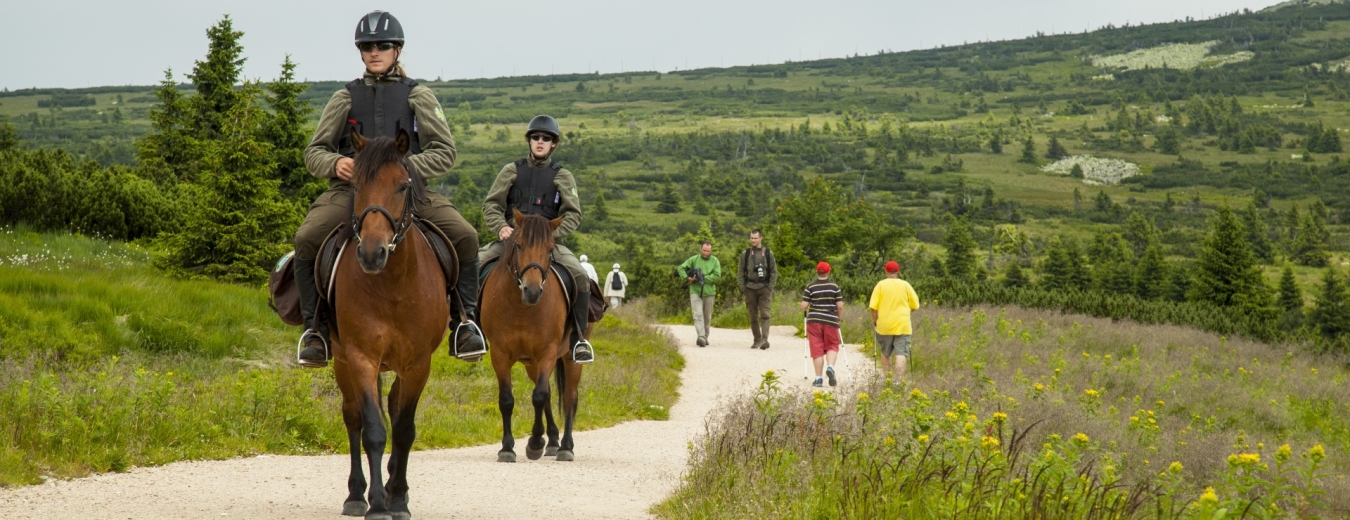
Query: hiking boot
x=829 y=372
x=818 y=383
x=764 y=345
x=702 y=342
x=314 y=351
x=754 y=345
x=583 y=353
x=468 y=342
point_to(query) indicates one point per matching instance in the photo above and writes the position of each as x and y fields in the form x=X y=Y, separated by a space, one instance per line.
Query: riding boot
x=468 y=343
x=313 y=347
x=582 y=352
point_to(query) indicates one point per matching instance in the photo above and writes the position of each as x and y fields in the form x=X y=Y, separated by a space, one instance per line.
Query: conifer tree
x=1257 y=234
x=1308 y=246
x=215 y=79
x=1055 y=150
x=285 y=131
x=1139 y=232
x=1291 y=298
x=996 y=144
x=599 y=210
x=1151 y=274
x=1168 y=141
x=1056 y=269
x=468 y=200
x=1330 y=314
x=960 y=245
x=668 y=200
x=1227 y=274
x=1028 y=151
x=1079 y=276
x=1179 y=281
x=237 y=223
x=9 y=137
x=169 y=153
x=1014 y=277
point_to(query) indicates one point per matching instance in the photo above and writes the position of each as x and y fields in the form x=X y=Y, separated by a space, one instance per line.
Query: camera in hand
x=694 y=272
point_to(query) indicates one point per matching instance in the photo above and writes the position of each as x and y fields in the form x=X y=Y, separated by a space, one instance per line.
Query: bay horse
x=524 y=316
x=391 y=315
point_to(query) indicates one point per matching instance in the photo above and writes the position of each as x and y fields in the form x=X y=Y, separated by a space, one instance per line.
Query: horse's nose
x=530 y=295
x=372 y=259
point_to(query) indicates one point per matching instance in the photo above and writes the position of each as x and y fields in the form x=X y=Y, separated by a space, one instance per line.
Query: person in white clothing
x=616 y=283
x=590 y=269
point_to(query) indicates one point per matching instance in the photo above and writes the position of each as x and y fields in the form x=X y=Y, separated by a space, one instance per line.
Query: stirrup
x=589 y=347
x=300 y=346
x=468 y=356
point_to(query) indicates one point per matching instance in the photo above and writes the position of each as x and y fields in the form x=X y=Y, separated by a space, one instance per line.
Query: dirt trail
x=620 y=472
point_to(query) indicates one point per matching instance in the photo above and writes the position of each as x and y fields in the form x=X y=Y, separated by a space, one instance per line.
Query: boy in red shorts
x=823 y=303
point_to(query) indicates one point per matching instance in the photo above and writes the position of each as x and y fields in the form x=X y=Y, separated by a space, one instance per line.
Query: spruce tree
x=1014 y=277
x=285 y=131
x=1028 y=151
x=996 y=144
x=1055 y=150
x=1291 y=298
x=1257 y=234
x=9 y=138
x=599 y=210
x=1056 y=270
x=1227 y=274
x=1308 y=246
x=1168 y=141
x=237 y=223
x=960 y=245
x=668 y=200
x=1330 y=314
x=1079 y=276
x=169 y=153
x=215 y=79
x=1150 y=277
x=1139 y=232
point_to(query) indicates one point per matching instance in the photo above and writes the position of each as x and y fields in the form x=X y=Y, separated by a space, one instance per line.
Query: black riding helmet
x=544 y=124
x=379 y=26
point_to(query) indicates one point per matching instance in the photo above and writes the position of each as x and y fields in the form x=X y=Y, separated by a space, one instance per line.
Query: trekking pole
x=806 y=351
x=843 y=353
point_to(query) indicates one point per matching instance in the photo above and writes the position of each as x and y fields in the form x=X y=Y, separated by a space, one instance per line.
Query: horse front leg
x=355 y=505
x=373 y=440
x=506 y=403
x=540 y=398
x=551 y=449
x=570 y=398
x=403 y=399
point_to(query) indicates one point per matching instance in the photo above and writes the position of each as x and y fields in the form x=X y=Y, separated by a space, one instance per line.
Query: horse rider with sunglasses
x=382 y=102
x=536 y=185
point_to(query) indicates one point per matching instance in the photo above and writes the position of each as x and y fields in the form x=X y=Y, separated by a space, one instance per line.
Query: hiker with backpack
x=616 y=284
x=757 y=276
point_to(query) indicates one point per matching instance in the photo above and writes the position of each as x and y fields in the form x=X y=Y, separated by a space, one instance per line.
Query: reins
x=518 y=272
x=402 y=225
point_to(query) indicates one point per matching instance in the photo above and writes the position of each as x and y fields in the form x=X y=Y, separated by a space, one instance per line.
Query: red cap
x=823 y=268
x=892 y=267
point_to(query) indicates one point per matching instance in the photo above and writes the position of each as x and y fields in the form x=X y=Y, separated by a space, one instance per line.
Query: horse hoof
x=550 y=451
x=506 y=456
x=354 y=508
x=566 y=456
x=397 y=515
x=379 y=516
x=533 y=454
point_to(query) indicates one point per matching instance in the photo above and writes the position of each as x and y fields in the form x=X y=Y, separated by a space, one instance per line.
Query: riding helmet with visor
x=545 y=124
x=379 y=26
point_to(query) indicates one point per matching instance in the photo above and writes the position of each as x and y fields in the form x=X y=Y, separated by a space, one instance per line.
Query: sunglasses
x=369 y=46
x=540 y=137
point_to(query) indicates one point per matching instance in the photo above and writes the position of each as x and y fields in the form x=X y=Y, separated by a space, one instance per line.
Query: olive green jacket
x=495 y=208
x=433 y=134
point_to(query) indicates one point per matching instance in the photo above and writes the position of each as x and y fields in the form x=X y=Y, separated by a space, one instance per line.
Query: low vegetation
x=109 y=364
x=1015 y=413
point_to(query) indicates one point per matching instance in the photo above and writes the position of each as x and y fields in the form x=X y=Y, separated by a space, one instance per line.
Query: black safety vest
x=377 y=110
x=534 y=192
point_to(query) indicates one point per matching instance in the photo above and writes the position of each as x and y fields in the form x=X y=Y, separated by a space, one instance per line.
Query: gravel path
x=620 y=472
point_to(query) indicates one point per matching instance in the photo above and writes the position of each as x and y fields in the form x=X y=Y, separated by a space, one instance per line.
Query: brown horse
x=391 y=315
x=524 y=315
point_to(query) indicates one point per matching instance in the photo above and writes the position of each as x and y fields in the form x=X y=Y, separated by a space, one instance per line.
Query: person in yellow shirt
x=891 y=303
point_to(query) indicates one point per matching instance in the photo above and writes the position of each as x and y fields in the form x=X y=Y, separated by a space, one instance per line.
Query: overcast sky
x=85 y=43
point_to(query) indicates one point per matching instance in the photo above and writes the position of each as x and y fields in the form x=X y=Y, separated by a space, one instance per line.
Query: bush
x=49 y=190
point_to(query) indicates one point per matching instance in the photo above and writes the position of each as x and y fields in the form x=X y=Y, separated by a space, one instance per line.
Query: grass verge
x=108 y=365
x=1016 y=413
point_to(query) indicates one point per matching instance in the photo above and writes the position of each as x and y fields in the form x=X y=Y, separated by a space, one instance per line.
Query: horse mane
x=378 y=152
x=532 y=231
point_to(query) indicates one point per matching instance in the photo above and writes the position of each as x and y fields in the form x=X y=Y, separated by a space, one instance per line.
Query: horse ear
x=358 y=140
x=402 y=142
x=555 y=223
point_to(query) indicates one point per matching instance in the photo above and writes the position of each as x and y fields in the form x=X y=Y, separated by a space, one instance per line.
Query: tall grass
x=104 y=365
x=1013 y=413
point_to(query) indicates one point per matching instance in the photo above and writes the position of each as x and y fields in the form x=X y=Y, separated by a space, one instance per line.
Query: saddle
x=330 y=255
x=597 y=305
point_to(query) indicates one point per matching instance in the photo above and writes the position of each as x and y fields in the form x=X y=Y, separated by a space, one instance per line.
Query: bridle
x=402 y=225
x=518 y=272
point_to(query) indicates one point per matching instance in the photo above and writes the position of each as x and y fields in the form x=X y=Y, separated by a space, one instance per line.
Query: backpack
x=616 y=283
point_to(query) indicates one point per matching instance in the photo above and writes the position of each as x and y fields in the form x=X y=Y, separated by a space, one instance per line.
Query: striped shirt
x=823 y=296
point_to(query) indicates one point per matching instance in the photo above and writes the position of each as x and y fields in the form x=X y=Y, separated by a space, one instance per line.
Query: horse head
x=531 y=250
x=386 y=185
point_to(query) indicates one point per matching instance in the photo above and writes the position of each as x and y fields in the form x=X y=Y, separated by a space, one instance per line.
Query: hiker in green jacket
x=701 y=273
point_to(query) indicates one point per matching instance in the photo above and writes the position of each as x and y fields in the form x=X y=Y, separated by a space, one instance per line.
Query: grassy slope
x=111 y=365
x=1060 y=375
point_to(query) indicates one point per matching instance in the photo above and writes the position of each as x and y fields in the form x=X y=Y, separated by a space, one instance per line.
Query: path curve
x=620 y=472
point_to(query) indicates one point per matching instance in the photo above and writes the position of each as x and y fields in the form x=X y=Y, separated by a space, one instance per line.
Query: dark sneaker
x=702 y=342
x=818 y=383
x=764 y=345
x=582 y=353
x=829 y=372
x=754 y=345
x=313 y=351
x=469 y=344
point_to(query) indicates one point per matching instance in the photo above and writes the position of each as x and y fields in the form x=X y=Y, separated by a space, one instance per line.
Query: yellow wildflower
x=1283 y=452
x=1081 y=439
x=988 y=442
x=1000 y=417
x=923 y=439
x=1175 y=467
x=1317 y=453
x=1209 y=498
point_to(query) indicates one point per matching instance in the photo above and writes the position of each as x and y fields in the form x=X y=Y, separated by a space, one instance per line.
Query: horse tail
x=560 y=373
